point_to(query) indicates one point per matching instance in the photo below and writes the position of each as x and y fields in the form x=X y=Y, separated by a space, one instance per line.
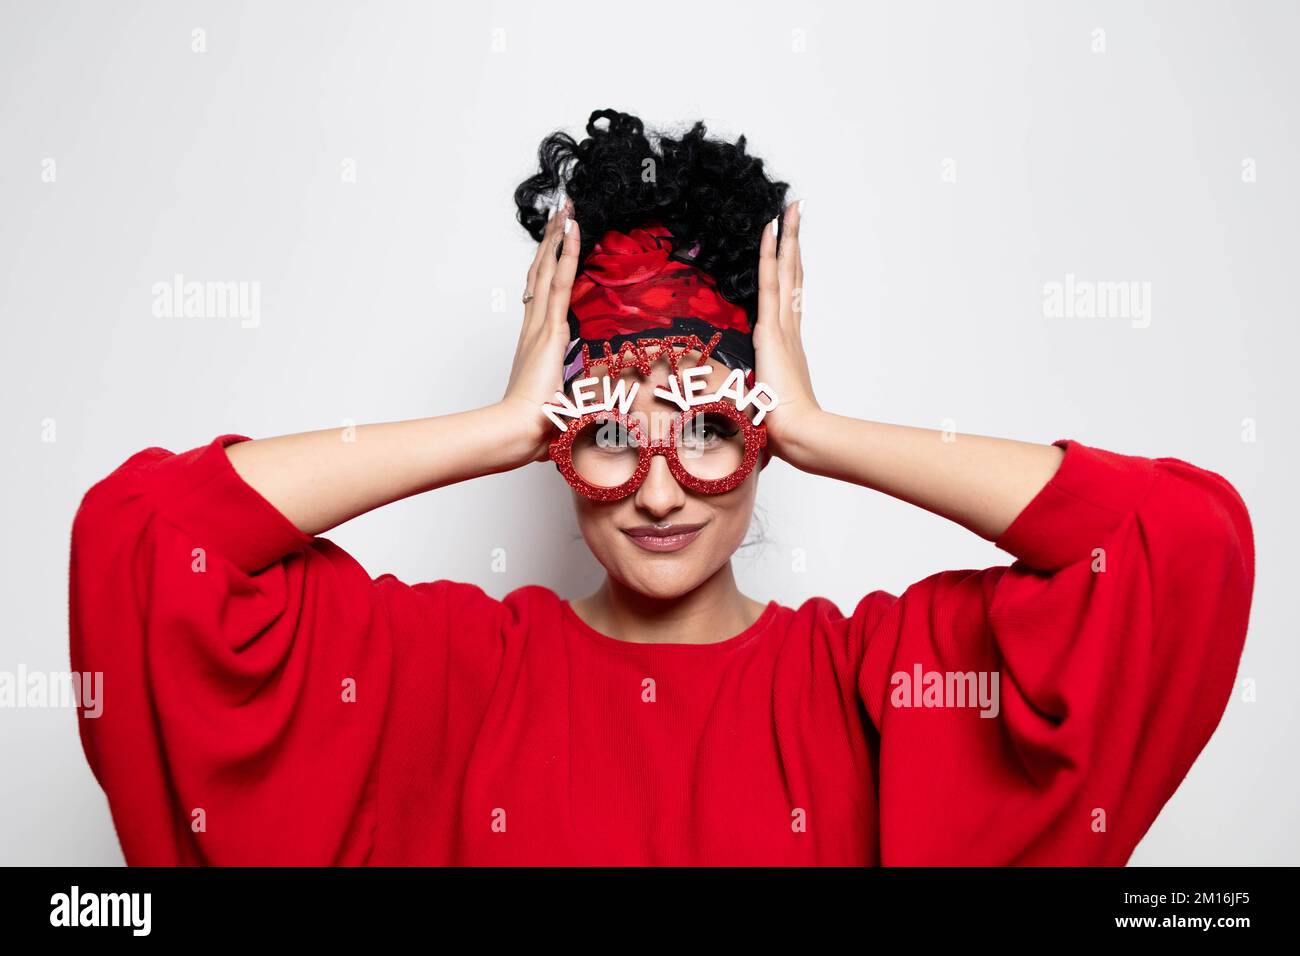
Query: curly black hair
x=706 y=191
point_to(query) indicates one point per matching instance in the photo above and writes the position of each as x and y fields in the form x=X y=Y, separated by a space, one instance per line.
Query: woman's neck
x=712 y=612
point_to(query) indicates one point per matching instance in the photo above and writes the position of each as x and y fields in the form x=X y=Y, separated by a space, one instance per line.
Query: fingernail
x=775 y=220
x=801 y=210
x=568 y=224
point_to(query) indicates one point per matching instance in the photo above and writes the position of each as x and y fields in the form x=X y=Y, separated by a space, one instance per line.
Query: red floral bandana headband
x=631 y=290
x=633 y=297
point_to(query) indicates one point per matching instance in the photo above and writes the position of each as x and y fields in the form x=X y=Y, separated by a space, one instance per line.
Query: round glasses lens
x=711 y=446
x=605 y=454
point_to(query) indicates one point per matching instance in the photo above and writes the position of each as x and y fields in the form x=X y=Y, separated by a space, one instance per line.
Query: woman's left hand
x=778 y=344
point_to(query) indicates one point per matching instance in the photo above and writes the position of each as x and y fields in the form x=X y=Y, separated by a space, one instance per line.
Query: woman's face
x=616 y=531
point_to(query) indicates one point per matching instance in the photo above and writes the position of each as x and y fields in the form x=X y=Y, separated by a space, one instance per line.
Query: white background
x=924 y=301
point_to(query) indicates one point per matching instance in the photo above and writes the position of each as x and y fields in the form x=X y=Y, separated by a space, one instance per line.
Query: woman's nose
x=660 y=493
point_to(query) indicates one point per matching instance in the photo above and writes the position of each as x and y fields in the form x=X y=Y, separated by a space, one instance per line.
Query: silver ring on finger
x=528 y=296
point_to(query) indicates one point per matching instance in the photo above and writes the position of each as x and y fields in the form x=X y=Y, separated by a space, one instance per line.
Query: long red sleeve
x=230 y=642
x=267 y=701
x=1116 y=637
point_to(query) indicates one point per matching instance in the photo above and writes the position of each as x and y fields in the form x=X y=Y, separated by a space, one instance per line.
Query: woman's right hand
x=320 y=479
x=537 y=372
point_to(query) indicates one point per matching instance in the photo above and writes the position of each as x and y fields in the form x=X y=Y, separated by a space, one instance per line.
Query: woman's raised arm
x=981 y=483
x=322 y=478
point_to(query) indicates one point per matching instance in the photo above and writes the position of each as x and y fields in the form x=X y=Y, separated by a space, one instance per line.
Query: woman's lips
x=672 y=538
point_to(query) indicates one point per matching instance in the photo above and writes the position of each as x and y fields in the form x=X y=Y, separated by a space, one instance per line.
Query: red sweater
x=268 y=702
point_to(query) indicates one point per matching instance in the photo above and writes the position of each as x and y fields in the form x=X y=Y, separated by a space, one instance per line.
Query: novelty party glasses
x=710 y=448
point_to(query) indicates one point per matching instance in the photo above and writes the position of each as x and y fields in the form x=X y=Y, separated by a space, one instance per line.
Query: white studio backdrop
x=356 y=162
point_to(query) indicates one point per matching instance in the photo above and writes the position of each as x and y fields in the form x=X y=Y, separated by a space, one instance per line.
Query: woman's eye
x=709 y=430
x=613 y=436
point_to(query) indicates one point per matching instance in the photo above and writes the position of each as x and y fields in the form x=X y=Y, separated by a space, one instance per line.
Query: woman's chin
x=663 y=583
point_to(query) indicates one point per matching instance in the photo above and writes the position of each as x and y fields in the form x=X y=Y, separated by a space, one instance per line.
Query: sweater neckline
x=761 y=624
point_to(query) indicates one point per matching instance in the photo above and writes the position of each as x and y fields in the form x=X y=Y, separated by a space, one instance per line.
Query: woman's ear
x=766 y=457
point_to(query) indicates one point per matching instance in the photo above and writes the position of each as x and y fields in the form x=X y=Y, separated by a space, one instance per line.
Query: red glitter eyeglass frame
x=561 y=452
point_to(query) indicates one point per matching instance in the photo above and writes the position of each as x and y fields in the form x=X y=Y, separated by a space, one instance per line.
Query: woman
x=268 y=701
